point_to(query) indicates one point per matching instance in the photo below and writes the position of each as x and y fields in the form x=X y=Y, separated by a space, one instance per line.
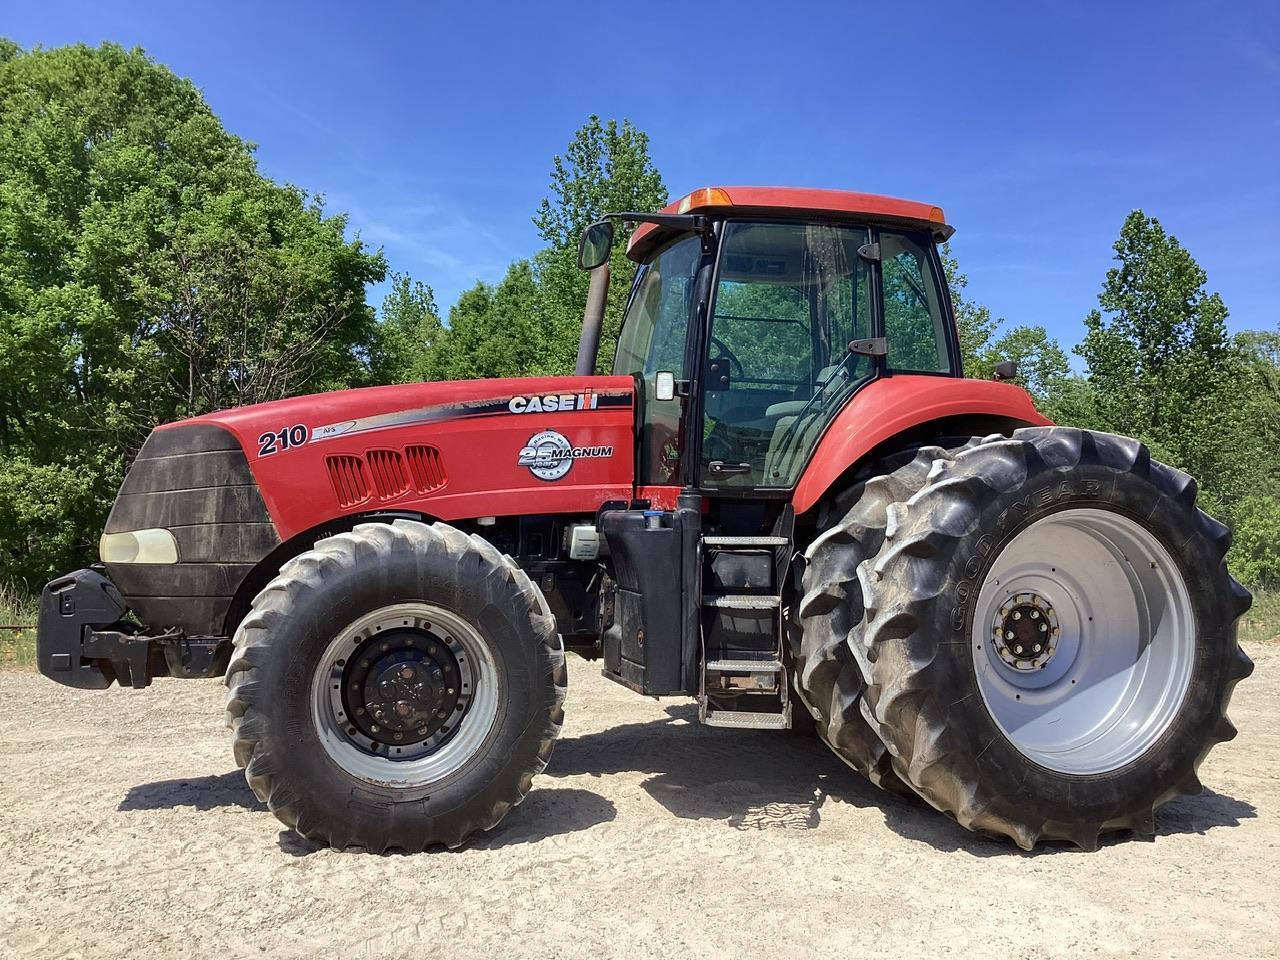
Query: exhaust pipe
x=592 y=319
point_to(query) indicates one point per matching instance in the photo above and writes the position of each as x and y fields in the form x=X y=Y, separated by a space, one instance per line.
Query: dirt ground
x=126 y=831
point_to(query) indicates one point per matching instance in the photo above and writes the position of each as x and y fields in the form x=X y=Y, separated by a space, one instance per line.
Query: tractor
x=786 y=501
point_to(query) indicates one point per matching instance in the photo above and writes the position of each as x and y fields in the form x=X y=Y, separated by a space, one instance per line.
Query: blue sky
x=1037 y=126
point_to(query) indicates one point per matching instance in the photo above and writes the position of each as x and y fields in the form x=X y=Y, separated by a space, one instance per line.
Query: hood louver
x=386 y=474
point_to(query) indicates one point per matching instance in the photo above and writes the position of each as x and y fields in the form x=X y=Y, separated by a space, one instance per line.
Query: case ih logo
x=553 y=402
x=549 y=454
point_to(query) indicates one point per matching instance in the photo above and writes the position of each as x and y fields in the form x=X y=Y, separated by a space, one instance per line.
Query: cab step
x=719 y=541
x=744 y=666
x=742 y=601
x=743 y=720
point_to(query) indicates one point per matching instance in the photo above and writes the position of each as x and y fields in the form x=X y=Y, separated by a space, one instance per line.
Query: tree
x=148 y=272
x=605 y=169
x=409 y=333
x=497 y=331
x=1162 y=368
x=1041 y=363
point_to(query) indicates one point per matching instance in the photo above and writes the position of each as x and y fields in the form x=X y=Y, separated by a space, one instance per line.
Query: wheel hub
x=402 y=691
x=1026 y=631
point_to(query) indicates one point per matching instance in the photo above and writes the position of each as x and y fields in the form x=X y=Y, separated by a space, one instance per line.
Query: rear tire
x=1089 y=735
x=826 y=675
x=439 y=634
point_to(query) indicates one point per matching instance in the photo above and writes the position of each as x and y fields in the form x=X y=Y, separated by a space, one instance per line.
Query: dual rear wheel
x=1035 y=634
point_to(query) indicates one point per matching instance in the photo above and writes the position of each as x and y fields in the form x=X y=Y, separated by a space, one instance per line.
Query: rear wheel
x=826 y=675
x=1049 y=639
x=398 y=686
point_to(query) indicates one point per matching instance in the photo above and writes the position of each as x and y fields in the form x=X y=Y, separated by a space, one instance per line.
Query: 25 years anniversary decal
x=549 y=455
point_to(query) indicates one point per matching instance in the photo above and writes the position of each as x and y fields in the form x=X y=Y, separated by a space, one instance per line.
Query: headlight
x=140 y=546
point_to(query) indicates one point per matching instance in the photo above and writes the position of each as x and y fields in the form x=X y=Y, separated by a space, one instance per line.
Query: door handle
x=721 y=467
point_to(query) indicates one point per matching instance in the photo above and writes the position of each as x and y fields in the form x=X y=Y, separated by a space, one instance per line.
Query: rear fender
x=910 y=409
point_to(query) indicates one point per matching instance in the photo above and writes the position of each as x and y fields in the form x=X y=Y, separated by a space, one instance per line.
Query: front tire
x=984 y=716
x=398 y=686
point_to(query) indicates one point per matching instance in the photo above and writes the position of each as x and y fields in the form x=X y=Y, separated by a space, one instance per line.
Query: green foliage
x=605 y=169
x=17 y=609
x=408 y=334
x=1161 y=367
x=1042 y=365
x=148 y=272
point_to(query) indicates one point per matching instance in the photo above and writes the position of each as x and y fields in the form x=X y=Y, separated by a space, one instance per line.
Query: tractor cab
x=757 y=313
x=754 y=317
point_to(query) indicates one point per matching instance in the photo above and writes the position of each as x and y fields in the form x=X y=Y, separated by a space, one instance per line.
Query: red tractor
x=786 y=502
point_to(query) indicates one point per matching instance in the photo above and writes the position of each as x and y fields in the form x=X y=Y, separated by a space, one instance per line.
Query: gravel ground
x=127 y=832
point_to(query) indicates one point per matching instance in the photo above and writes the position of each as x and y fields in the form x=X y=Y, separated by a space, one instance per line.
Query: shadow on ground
x=766 y=779
x=750 y=780
x=203 y=793
x=546 y=812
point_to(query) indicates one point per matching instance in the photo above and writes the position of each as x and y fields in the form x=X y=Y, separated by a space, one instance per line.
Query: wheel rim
x=405 y=695
x=1113 y=614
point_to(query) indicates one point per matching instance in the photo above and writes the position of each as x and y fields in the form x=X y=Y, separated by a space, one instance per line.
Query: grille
x=389 y=477
x=350 y=482
x=426 y=467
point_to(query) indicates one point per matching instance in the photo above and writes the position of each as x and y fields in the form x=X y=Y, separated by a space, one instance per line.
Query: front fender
x=893 y=405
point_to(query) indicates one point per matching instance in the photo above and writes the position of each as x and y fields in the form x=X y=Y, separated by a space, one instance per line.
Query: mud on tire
x=918 y=644
x=271 y=703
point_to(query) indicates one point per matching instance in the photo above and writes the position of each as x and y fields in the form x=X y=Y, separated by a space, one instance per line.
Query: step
x=717 y=541
x=742 y=601
x=745 y=666
x=746 y=721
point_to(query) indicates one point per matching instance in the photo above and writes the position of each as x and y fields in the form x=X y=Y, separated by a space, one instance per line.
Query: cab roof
x=790 y=201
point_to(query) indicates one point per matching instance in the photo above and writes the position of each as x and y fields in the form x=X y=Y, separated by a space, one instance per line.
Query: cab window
x=789 y=298
x=915 y=322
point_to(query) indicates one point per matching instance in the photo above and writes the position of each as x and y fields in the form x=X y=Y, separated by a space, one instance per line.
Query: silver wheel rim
x=446 y=751
x=1115 y=606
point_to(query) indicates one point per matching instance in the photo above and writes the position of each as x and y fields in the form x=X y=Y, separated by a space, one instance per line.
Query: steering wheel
x=735 y=365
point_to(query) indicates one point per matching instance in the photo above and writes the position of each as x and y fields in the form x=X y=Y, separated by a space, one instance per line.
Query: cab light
x=705 y=197
x=139 y=546
x=936 y=215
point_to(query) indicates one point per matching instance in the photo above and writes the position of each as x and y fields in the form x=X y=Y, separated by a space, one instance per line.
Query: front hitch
x=84 y=641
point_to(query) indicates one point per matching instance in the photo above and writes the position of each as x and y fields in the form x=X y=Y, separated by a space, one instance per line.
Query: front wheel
x=396 y=687
x=1049 y=641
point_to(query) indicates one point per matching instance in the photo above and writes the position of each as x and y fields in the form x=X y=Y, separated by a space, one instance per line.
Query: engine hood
x=451 y=450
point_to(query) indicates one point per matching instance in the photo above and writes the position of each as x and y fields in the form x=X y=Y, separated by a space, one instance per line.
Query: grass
x=17 y=608
x=18 y=647
x=1262 y=622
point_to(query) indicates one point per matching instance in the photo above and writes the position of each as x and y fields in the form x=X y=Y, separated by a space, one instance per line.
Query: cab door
x=789 y=298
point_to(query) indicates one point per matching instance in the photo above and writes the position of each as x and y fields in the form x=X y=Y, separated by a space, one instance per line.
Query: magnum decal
x=549 y=455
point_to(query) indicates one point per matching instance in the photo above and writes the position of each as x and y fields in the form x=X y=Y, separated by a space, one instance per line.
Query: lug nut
x=398 y=736
x=1017 y=614
x=1018 y=648
x=374 y=727
x=450 y=691
x=1036 y=649
x=1044 y=627
x=1035 y=614
x=1008 y=635
x=441 y=714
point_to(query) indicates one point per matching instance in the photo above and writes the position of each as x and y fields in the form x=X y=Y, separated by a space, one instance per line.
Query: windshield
x=653 y=339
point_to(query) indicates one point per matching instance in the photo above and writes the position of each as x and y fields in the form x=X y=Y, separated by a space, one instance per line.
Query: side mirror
x=595 y=245
x=664 y=385
x=1005 y=370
